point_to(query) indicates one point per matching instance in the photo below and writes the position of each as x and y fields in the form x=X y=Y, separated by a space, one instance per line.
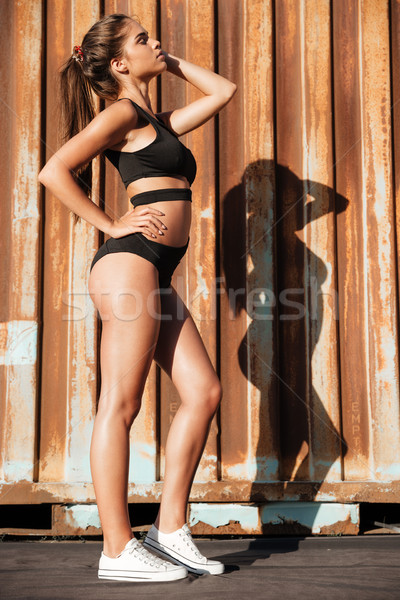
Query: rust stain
x=346 y=527
x=232 y=528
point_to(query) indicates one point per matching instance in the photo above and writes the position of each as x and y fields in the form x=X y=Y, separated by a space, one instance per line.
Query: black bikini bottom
x=164 y=258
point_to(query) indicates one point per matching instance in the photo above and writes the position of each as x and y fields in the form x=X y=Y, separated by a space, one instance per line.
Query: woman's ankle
x=112 y=549
x=168 y=526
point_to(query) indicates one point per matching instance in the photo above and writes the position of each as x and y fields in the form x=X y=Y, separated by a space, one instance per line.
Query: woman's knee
x=208 y=396
x=120 y=409
x=215 y=394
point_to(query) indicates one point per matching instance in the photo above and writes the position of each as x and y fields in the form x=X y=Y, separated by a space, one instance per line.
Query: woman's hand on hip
x=143 y=219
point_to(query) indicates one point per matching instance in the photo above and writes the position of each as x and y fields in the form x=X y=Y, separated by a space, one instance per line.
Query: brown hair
x=88 y=71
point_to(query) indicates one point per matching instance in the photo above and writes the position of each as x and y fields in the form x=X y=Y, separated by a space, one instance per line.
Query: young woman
x=116 y=61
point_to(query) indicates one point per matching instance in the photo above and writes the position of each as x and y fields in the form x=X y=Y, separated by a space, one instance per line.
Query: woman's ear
x=118 y=65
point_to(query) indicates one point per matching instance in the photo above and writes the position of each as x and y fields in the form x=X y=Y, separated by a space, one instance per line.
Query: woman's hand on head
x=143 y=219
x=172 y=61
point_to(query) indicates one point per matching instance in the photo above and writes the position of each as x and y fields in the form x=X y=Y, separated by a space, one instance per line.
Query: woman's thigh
x=124 y=289
x=181 y=353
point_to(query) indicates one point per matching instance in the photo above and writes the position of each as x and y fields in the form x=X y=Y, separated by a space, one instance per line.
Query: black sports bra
x=163 y=157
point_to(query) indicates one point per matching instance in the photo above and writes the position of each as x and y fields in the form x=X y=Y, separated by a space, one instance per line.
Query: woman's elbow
x=47 y=174
x=226 y=94
x=233 y=89
x=43 y=176
x=230 y=91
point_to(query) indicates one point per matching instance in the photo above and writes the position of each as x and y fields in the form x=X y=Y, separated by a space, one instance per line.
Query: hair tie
x=77 y=53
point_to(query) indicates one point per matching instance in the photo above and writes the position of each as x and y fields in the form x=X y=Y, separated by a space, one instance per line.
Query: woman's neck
x=137 y=92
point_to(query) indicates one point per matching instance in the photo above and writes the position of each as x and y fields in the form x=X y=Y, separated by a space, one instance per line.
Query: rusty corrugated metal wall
x=291 y=273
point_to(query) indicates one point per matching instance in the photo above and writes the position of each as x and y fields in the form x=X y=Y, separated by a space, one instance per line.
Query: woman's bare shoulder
x=107 y=129
x=117 y=114
x=111 y=125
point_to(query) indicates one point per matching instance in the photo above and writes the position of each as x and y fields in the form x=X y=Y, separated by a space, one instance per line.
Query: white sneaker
x=178 y=547
x=135 y=563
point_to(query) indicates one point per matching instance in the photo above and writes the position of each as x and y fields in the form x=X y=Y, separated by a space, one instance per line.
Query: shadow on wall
x=298 y=440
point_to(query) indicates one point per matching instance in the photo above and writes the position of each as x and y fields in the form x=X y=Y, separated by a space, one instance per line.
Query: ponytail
x=86 y=72
x=77 y=110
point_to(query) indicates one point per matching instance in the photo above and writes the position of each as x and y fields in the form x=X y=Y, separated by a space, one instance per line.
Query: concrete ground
x=360 y=567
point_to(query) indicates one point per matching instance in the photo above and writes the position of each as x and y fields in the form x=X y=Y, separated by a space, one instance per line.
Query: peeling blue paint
x=267 y=469
x=241 y=471
x=21 y=342
x=310 y=514
x=207 y=213
x=314 y=515
x=16 y=470
x=328 y=463
x=218 y=515
x=82 y=515
x=142 y=464
x=391 y=471
x=332 y=470
x=260 y=469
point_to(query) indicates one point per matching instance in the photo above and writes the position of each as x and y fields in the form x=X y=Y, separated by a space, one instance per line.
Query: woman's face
x=142 y=54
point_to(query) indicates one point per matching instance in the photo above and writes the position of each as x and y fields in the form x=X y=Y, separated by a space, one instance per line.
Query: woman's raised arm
x=218 y=90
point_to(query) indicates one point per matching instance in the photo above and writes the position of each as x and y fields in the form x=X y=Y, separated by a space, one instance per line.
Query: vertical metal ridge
x=217 y=254
x=334 y=191
x=41 y=239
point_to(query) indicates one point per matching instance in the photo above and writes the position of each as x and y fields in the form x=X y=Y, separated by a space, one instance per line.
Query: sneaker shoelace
x=188 y=540
x=147 y=557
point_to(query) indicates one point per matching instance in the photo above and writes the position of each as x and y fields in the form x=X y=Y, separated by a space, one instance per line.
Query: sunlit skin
x=143 y=59
x=128 y=346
